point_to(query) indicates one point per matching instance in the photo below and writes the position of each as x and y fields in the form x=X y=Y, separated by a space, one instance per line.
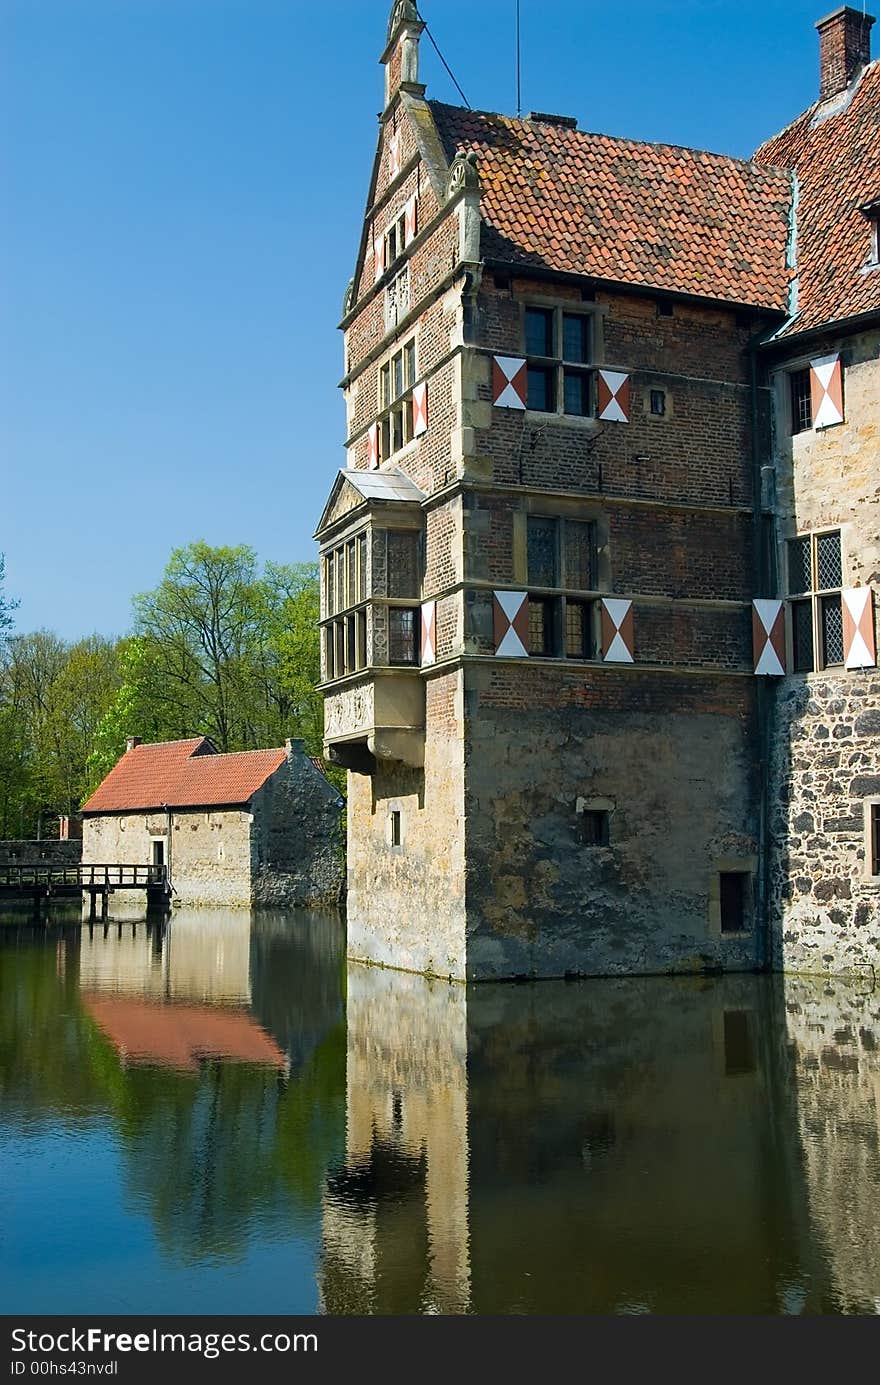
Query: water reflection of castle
x=611 y=1146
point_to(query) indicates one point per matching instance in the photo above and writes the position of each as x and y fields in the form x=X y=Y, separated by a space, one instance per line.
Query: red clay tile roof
x=183 y=774
x=654 y=215
x=838 y=170
x=177 y=1036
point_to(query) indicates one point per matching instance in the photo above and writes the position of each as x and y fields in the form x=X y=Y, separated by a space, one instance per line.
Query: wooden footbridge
x=41 y=881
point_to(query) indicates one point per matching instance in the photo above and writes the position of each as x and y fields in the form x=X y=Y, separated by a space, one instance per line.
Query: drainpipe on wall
x=168 y=862
x=764 y=585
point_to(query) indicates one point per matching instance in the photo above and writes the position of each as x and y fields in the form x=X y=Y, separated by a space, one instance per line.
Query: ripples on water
x=221 y=1117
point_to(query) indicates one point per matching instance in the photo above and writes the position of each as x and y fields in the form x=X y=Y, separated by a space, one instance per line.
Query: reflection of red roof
x=837 y=162
x=653 y=215
x=177 y=1036
x=183 y=774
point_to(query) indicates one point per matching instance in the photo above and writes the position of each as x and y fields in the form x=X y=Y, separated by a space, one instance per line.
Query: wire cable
x=445 y=63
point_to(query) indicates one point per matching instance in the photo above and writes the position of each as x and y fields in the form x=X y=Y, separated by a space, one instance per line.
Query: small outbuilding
x=249 y=828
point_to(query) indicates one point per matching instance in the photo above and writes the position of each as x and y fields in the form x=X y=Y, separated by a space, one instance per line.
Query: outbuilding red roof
x=183 y=774
x=836 y=158
x=179 y=1036
x=652 y=215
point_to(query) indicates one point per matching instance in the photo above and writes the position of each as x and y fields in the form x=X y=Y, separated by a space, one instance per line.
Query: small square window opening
x=595 y=827
x=874 y=838
x=658 y=402
x=801 y=401
x=733 y=889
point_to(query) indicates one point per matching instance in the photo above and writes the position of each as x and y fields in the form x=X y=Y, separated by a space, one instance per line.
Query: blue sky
x=184 y=182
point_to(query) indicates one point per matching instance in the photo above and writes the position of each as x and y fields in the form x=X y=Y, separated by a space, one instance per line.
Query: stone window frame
x=394 y=240
x=605 y=806
x=162 y=837
x=732 y=865
x=561 y=308
x=397 y=298
x=871 y=811
x=395 y=812
x=816 y=596
x=390 y=405
x=781 y=391
x=557 y=599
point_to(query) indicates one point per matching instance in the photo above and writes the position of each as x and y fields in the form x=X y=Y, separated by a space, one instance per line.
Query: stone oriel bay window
x=344 y=587
x=370 y=590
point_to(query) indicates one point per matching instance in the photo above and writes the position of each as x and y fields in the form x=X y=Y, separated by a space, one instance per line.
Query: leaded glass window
x=832 y=630
x=799 y=565
x=580 y=539
x=815 y=570
x=403 y=565
x=828 y=567
x=402 y=634
x=543 y=552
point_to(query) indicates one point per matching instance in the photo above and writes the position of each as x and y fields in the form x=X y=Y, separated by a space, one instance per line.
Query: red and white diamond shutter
x=511 y=619
x=420 y=408
x=826 y=389
x=618 y=632
x=373 y=446
x=409 y=220
x=612 y=396
x=859 y=647
x=429 y=632
x=768 y=637
x=509 y=382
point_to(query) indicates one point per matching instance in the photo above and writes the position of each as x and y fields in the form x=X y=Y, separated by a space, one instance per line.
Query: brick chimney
x=844 y=49
x=401 y=56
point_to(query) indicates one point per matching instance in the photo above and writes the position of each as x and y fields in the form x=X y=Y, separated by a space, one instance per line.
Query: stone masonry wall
x=209 y=853
x=825 y=746
x=297 y=847
x=673 y=768
x=406 y=904
x=46 y=851
x=824 y=769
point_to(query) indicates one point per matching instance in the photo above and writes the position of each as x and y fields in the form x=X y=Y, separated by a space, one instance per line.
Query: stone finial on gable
x=463 y=182
x=462 y=174
x=401 y=56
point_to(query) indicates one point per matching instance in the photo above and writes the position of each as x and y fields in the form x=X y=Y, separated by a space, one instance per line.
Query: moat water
x=225 y=1117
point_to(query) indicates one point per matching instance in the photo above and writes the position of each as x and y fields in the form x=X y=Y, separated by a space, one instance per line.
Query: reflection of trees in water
x=52 y=1061
x=213 y=1156
x=232 y=1152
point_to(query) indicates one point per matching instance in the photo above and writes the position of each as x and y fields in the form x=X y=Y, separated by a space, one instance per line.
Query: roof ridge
x=811 y=110
x=614 y=139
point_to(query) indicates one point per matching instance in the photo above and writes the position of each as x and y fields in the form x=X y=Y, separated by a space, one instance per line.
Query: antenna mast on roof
x=518 y=68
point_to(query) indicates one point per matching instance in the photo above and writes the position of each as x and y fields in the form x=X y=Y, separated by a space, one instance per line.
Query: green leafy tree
x=7 y=605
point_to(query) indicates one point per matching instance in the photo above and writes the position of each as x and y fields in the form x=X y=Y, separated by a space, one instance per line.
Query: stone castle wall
x=825 y=742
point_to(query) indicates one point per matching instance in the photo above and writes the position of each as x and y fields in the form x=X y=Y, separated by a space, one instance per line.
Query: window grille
x=801 y=401
x=815 y=573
